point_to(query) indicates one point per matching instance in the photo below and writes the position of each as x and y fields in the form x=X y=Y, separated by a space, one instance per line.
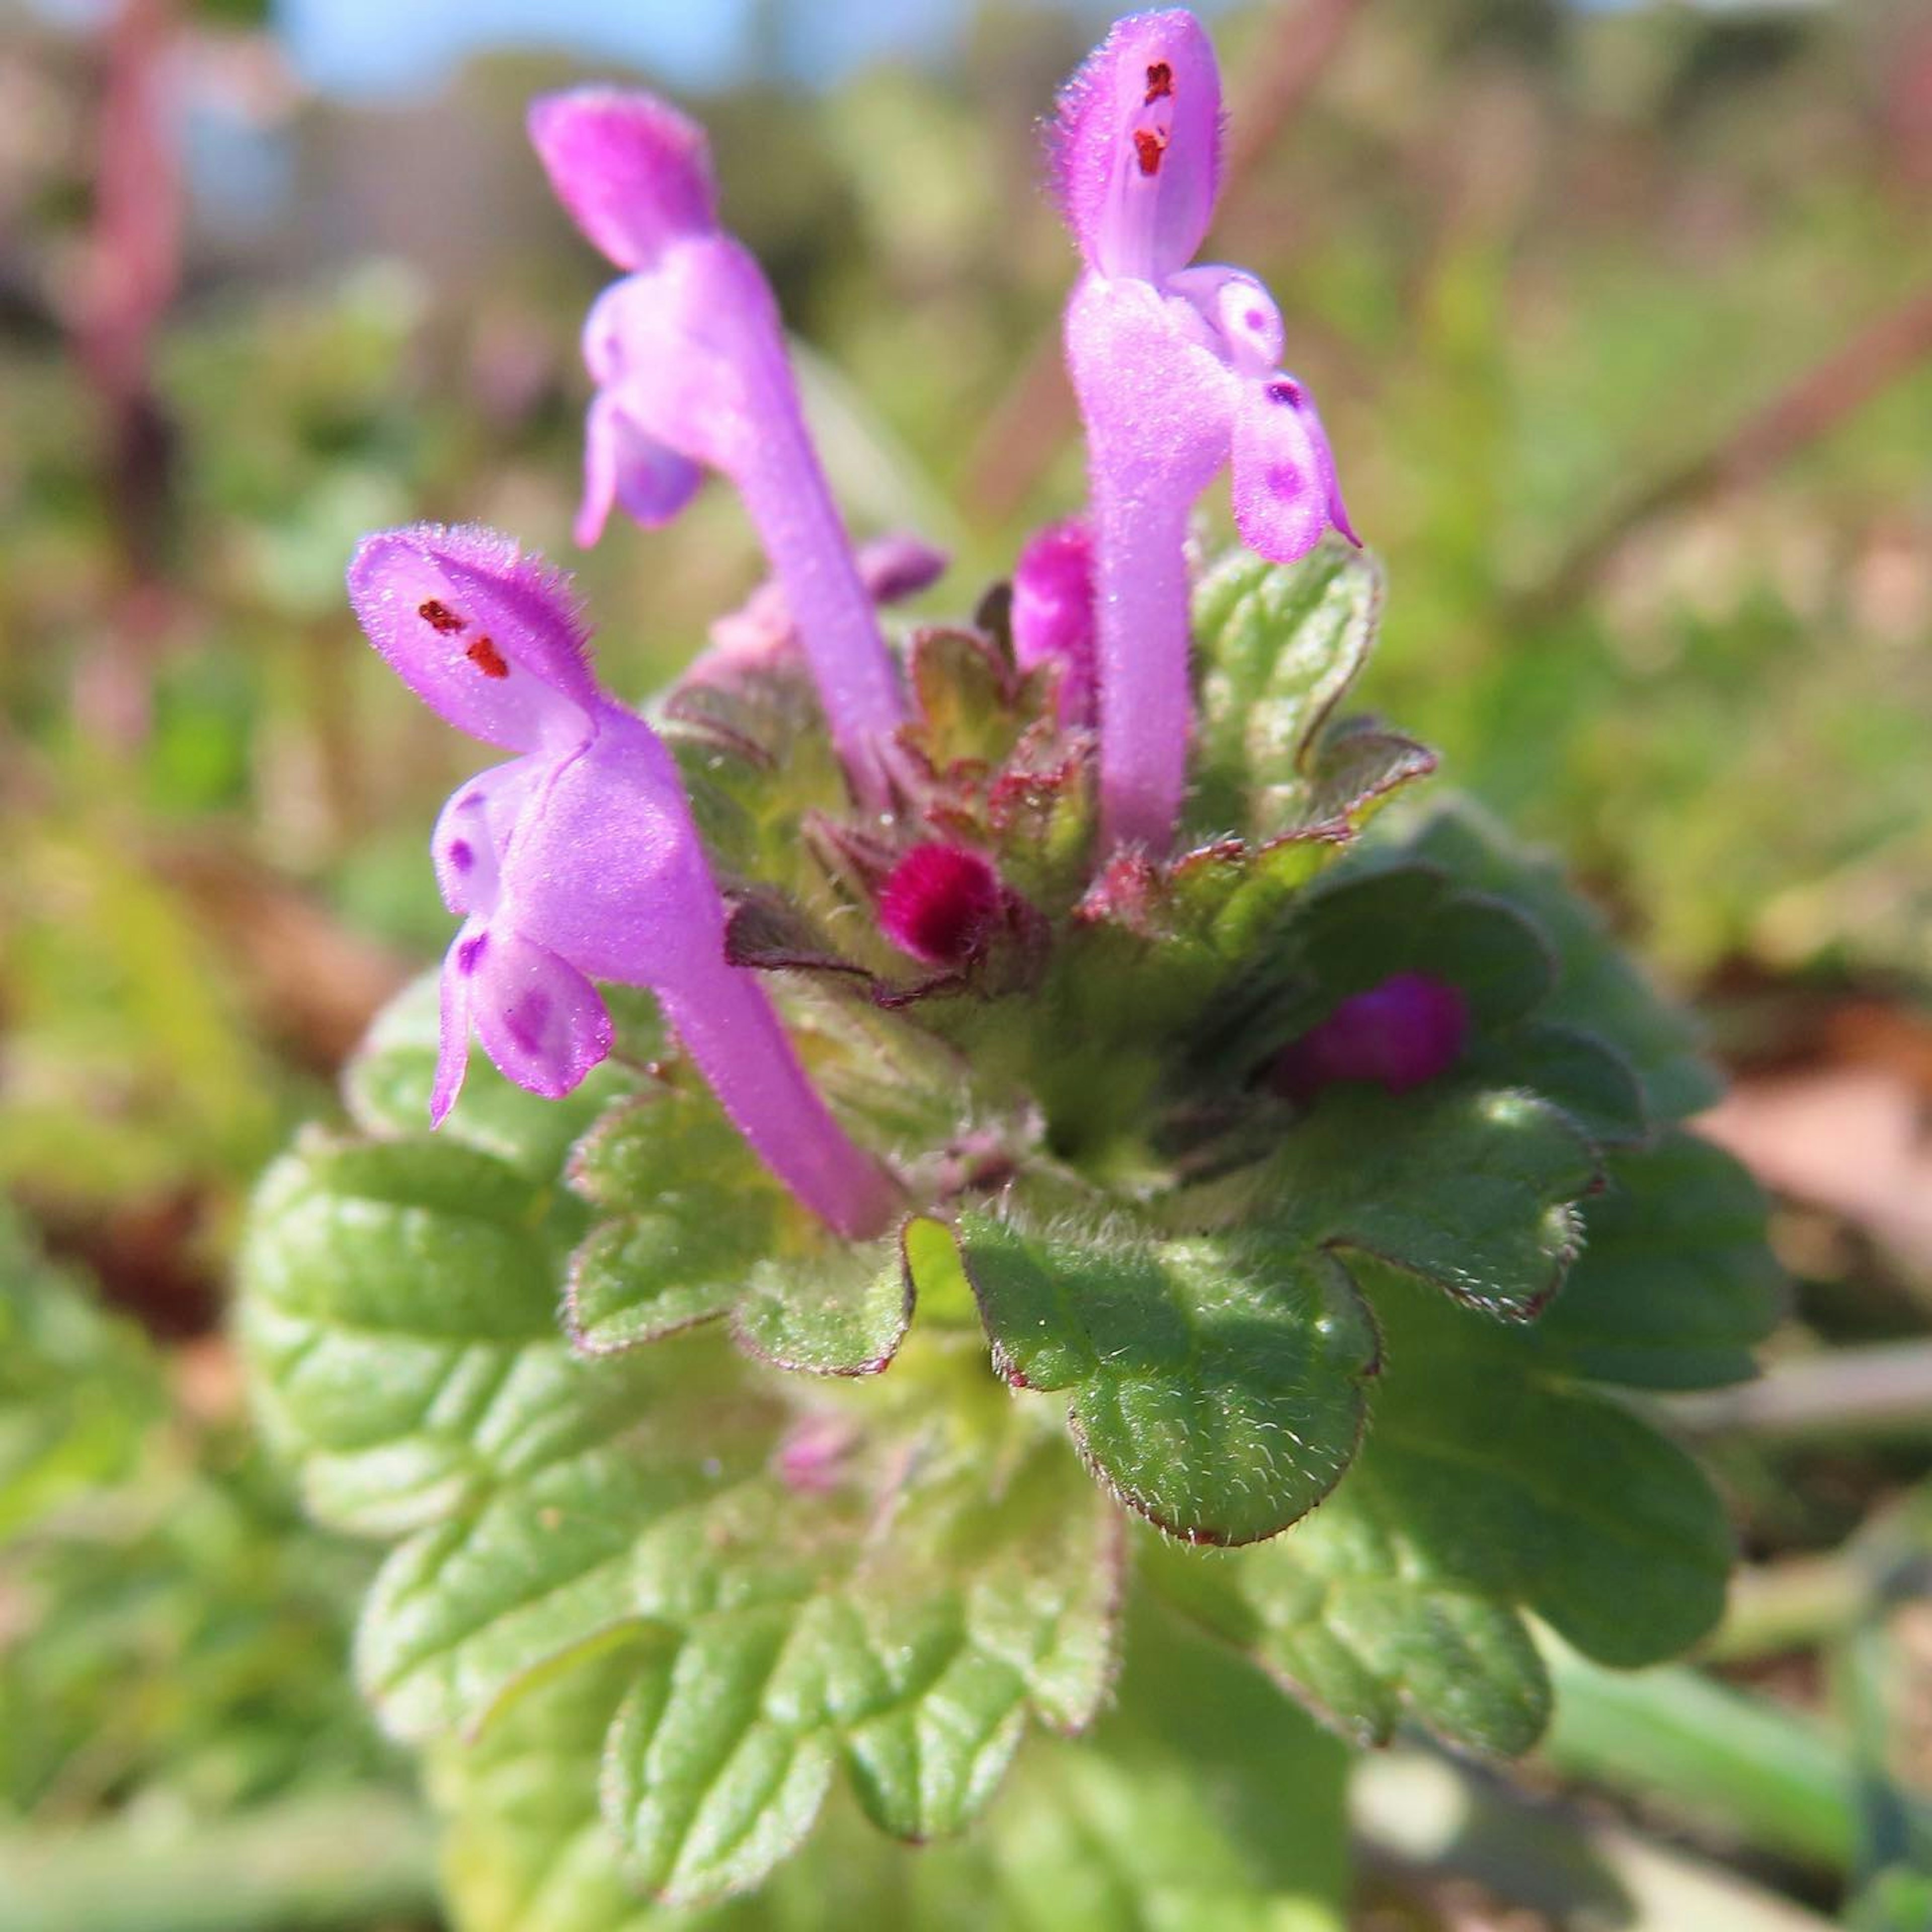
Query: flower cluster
x=579 y=860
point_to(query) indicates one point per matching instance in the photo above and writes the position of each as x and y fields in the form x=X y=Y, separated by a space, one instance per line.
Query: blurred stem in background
x=131 y=271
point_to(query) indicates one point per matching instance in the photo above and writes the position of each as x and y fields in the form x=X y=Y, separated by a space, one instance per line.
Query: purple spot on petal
x=525 y=1018
x=460 y=855
x=1255 y=320
x=469 y=952
x=1283 y=479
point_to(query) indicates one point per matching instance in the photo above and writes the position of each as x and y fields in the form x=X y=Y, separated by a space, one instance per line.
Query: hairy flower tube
x=688 y=356
x=1176 y=370
x=578 y=860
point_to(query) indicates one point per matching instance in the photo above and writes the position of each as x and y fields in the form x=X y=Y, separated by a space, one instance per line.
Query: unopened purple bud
x=1406 y=1031
x=941 y=904
x=1053 y=613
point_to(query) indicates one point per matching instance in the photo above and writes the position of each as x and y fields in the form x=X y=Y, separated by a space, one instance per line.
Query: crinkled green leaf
x=691 y=1225
x=1215 y=1385
x=1599 y=988
x=399 y=1313
x=1280 y=647
x=1584 y=1076
x=839 y=1308
x=1350 y=1614
x=1474 y=1189
x=1490 y=1485
x=684 y=1211
x=778 y=1637
x=1200 y=1801
x=1357 y=929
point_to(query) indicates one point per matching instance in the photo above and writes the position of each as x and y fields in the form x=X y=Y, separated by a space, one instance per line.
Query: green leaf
x=694 y=1226
x=1517 y=1484
x=1598 y=988
x=1171 y=1814
x=1214 y=1384
x=1588 y=1080
x=1474 y=1189
x=399 y=1316
x=1490 y=1486
x=1353 y=1616
x=1280 y=646
x=841 y=1309
x=777 y=1638
x=1675 y=1286
x=684 y=1211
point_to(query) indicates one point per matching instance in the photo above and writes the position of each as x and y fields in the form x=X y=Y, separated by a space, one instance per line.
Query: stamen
x=1159 y=82
x=440 y=618
x=1285 y=389
x=1150 y=144
x=485 y=656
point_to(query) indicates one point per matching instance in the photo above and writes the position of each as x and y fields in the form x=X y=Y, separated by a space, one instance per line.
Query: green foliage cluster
x=698 y=1516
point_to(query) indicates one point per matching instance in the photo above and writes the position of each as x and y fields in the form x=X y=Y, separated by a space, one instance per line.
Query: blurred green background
x=1621 y=319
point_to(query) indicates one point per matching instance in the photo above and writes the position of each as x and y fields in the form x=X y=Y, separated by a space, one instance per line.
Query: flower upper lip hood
x=579 y=860
x=688 y=356
x=1176 y=369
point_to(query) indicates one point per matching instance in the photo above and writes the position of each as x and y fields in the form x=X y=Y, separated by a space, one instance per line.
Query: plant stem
x=1883 y=1390
x=1789 y=1605
x=308 y=1864
x=1744 y=1767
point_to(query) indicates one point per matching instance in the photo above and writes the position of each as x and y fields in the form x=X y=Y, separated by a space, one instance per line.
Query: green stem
x=1789 y=1605
x=1735 y=1763
x=311 y=1864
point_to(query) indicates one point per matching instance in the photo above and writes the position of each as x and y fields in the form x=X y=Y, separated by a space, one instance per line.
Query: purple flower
x=578 y=860
x=1053 y=613
x=1175 y=369
x=687 y=353
x=1400 y=1033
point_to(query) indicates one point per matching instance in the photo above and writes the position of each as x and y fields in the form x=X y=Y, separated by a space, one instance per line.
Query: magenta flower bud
x=1176 y=371
x=578 y=860
x=1405 y=1031
x=941 y=904
x=1053 y=614
x=688 y=356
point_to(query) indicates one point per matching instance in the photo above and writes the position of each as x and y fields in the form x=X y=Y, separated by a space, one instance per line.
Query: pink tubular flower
x=578 y=860
x=1175 y=369
x=687 y=353
x=1053 y=613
